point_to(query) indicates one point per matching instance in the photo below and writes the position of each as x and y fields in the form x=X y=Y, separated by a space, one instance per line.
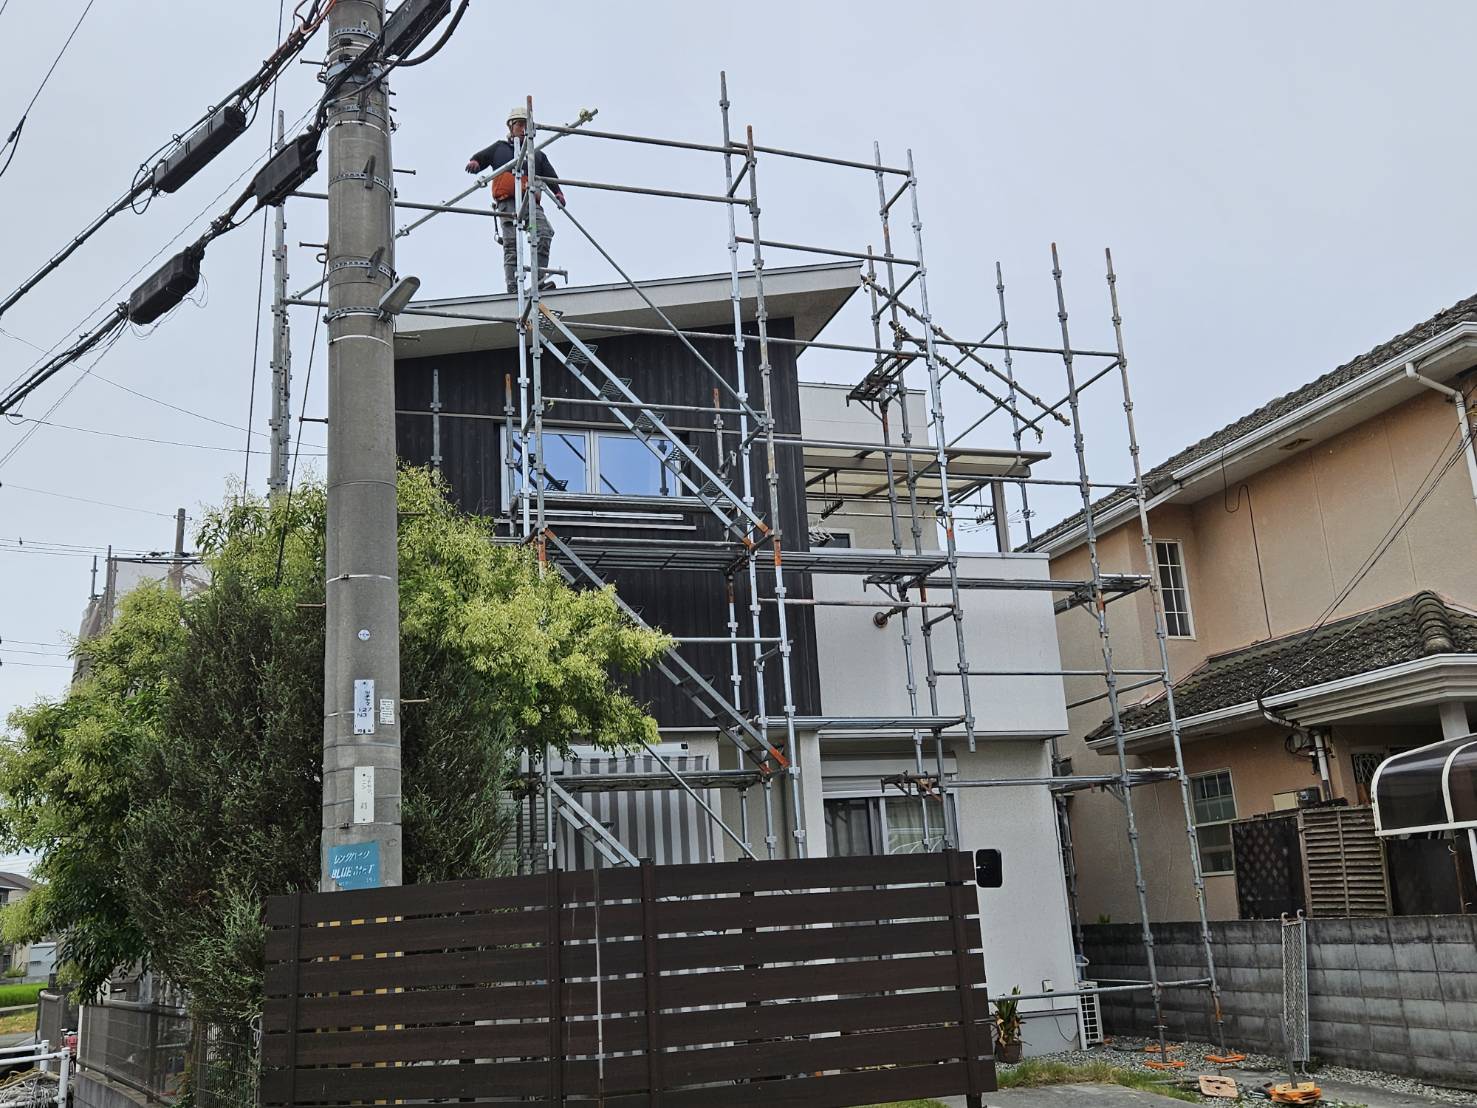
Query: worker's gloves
x=472 y=166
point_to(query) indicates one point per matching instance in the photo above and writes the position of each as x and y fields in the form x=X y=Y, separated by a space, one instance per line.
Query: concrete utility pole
x=177 y=571
x=361 y=727
x=281 y=352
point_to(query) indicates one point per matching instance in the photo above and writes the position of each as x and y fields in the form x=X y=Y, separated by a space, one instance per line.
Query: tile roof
x=1403 y=631
x=1462 y=311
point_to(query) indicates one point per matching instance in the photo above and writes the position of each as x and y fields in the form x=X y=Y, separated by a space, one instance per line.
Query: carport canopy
x=1433 y=788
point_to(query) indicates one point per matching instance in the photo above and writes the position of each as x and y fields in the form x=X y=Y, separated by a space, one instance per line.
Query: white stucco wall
x=826 y=415
x=1027 y=921
x=1026 y=924
x=862 y=666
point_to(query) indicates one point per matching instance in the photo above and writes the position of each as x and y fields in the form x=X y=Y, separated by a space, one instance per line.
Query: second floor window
x=1170 y=559
x=603 y=463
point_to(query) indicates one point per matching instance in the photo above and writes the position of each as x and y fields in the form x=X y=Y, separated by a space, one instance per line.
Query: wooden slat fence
x=823 y=982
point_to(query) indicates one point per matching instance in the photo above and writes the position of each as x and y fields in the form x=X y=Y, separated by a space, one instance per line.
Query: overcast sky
x=1283 y=186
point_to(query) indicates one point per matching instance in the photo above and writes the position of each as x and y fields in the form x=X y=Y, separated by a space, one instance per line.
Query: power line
x=137 y=272
x=58 y=402
x=27 y=342
x=36 y=665
x=14 y=140
x=173 y=407
x=85 y=500
x=45 y=553
x=1427 y=487
x=204 y=139
x=73 y=547
x=32 y=378
x=135 y=438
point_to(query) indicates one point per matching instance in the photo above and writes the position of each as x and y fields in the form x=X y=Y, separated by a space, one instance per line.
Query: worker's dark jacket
x=501 y=153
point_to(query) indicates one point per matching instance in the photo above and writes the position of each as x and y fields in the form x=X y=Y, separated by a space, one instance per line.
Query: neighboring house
x=622 y=512
x=13 y=886
x=121 y=575
x=1316 y=563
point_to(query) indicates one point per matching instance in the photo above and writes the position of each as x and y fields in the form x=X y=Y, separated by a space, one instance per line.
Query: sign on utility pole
x=361 y=727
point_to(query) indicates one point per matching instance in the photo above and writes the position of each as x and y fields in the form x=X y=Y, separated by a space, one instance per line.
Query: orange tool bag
x=502 y=185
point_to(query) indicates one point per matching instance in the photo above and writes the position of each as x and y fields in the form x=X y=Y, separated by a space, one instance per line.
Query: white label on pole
x=363 y=794
x=364 y=706
x=387 y=711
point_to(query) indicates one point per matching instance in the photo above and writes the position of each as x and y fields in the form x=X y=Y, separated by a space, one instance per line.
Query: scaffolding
x=926 y=480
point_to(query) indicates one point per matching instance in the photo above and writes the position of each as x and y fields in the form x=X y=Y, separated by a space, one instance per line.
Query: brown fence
x=822 y=982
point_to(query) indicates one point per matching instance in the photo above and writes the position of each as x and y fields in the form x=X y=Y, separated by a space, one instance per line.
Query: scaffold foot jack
x=1230 y=1058
x=1287 y=1092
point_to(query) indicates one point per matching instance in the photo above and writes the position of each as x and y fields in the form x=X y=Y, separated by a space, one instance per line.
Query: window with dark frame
x=861 y=825
x=605 y=463
x=1169 y=558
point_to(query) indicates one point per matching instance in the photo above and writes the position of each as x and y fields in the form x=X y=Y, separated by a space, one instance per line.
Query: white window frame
x=1184 y=590
x=1231 y=781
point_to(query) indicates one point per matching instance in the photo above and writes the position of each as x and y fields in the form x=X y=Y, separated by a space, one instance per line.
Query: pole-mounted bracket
x=369 y=265
x=358 y=309
x=369 y=180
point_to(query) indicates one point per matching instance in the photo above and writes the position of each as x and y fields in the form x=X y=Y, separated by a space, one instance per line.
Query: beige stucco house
x=1318 y=560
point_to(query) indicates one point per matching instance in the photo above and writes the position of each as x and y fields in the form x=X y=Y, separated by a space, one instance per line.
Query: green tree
x=178 y=784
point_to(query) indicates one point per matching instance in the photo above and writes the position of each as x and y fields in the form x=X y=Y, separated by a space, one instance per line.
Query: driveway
x=1110 y=1096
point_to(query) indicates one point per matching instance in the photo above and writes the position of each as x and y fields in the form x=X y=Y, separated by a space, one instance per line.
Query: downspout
x=1316 y=737
x=1459 y=399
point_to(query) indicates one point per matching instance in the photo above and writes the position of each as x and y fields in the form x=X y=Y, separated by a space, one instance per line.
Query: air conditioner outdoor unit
x=1089 y=1016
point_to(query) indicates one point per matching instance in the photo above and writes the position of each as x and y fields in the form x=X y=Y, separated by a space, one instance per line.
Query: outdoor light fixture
x=394 y=301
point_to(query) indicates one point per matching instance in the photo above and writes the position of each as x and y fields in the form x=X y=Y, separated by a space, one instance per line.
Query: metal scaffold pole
x=1016 y=427
x=746 y=476
x=897 y=548
x=1100 y=612
x=936 y=424
x=761 y=325
x=915 y=521
x=1161 y=636
x=361 y=731
x=527 y=195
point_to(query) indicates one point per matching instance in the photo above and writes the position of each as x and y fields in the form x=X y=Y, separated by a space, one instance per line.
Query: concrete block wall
x=1396 y=994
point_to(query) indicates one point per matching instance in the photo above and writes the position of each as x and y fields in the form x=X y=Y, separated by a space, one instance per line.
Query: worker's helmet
x=518 y=113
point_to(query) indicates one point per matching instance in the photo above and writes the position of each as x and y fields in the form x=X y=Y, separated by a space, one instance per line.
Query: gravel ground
x=1128 y=1053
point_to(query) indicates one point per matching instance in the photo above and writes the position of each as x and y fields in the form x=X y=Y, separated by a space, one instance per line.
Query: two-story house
x=1315 y=558
x=619 y=510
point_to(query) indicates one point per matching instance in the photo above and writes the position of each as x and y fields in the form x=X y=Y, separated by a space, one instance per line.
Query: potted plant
x=1008 y=1027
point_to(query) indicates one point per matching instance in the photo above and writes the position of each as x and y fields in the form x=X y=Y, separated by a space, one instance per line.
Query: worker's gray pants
x=510 y=242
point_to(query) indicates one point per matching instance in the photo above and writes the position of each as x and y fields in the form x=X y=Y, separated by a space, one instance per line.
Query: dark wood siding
x=472 y=388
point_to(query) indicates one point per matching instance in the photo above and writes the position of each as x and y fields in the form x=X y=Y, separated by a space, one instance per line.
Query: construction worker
x=504 y=195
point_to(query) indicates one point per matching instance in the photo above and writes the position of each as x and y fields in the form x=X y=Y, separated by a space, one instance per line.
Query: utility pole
x=361 y=726
x=281 y=351
x=177 y=571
